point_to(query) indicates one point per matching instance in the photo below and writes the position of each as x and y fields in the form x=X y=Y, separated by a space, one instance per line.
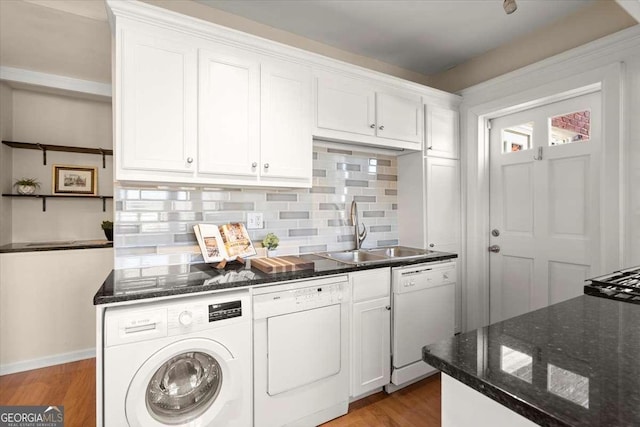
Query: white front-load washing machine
x=179 y=362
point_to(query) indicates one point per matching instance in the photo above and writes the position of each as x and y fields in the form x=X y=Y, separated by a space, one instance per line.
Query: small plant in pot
x=107 y=226
x=26 y=186
x=270 y=242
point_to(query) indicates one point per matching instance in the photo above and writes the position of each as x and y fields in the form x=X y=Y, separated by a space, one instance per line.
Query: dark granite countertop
x=126 y=285
x=55 y=246
x=576 y=363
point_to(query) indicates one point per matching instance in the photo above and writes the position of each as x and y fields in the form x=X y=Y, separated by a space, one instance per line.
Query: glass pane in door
x=570 y=128
x=517 y=138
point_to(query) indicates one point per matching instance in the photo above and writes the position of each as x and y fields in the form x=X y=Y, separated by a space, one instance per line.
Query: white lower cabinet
x=370 y=330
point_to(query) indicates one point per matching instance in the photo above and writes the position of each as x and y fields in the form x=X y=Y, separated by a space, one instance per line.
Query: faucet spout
x=357 y=234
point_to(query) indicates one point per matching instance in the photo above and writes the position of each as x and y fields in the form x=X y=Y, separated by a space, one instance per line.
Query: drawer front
x=370 y=284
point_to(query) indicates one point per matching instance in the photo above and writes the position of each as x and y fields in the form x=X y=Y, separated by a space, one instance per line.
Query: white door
x=229 y=116
x=442 y=132
x=399 y=116
x=346 y=105
x=159 y=101
x=286 y=144
x=371 y=345
x=544 y=207
x=443 y=204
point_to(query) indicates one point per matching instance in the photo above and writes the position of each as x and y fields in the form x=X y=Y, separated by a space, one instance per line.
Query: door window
x=517 y=138
x=184 y=387
x=570 y=128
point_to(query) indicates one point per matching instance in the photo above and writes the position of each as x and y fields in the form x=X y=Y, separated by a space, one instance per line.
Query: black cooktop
x=623 y=285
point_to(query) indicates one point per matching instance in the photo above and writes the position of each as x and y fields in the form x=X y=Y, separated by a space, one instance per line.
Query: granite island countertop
x=575 y=363
x=139 y=284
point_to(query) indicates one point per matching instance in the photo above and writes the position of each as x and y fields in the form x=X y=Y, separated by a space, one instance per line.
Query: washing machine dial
x=185 y=318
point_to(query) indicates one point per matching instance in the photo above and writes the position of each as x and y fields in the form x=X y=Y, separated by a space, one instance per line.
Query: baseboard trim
x=43 y=362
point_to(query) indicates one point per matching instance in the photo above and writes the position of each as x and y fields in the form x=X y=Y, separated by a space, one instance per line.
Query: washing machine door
x=187 y=383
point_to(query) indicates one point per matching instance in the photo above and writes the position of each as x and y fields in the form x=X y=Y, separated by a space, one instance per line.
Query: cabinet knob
x=381 y=128
x=431 y=245
x=254 y=165
x=430 y=147
x=372 y=126
x=266 y=165
x=388 y=308
x=189 y=159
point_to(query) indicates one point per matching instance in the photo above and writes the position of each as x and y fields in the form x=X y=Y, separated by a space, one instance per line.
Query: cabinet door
x=157 y=104
x=399 y=116
x=371 y=358
x=286 y=143
x=442 y=127
x=443 y=204
x=229 y=100
x=345 y=105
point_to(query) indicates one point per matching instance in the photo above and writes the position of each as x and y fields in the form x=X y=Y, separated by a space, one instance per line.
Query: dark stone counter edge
x=506 y=399
x=47 y=248
x=100 y=298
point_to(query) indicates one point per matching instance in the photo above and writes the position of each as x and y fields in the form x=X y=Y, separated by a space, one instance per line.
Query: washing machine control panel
x=225 y=310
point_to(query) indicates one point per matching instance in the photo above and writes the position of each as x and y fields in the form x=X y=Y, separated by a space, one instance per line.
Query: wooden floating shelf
x=64 y=148
x=44 y=198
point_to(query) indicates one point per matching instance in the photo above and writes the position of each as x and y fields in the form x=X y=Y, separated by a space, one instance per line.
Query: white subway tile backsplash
x=154 y=225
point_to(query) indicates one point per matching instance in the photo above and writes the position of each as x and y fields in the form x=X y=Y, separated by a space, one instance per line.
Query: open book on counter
x=223 y=242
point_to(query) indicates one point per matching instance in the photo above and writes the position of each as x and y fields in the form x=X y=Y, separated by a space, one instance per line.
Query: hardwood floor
x=73 y=386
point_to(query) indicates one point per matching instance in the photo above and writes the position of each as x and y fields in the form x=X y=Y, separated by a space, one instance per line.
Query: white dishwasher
x=423 y=304
x=301 y=352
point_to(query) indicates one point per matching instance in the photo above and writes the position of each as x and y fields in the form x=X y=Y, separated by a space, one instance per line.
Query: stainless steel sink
x=376 y=255
x=355 y=257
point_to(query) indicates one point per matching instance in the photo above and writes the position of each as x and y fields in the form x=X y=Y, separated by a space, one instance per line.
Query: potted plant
x=107 y=226
x=270 y=242
x=26 y=186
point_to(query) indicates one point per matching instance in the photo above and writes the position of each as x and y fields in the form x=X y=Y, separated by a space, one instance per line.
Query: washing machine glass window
x=184 y=387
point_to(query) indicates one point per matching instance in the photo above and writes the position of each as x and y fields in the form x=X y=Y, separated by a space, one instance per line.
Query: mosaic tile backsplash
x=154 y=225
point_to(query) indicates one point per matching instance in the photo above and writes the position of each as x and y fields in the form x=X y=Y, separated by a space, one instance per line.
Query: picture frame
x=75 y=180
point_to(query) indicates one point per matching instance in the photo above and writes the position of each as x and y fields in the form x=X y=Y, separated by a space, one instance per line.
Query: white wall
x=618 y=55
x=60 y=120
x=46 y=306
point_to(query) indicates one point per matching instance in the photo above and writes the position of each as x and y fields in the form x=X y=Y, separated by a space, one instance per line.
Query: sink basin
x=355 y=257
x=375 y=255
x=400 y=252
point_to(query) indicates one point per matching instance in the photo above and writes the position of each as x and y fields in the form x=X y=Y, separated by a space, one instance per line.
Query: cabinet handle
x=189 y=159
x=266 y=165
x=381 y=128
x=431 y=245
x=254 y=165
x=388 y=308
x=372 y=126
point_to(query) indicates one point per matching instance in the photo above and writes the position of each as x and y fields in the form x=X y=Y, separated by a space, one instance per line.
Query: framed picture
x=75 y=180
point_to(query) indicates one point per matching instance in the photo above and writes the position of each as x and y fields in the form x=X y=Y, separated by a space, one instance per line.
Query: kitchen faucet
x=359 y=236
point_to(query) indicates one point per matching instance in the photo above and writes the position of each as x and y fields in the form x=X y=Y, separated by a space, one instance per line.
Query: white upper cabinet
x=399 y=117
x=200 y=112
x=345 y=105
x=353 y=110
x=229 y=114
x=442 y=131
x=156 y=106
x=286 y=143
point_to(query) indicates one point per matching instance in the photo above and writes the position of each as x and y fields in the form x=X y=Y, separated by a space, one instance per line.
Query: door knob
x=494 y=248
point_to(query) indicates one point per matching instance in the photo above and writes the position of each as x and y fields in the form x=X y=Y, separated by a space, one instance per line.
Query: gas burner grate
x=623 y=285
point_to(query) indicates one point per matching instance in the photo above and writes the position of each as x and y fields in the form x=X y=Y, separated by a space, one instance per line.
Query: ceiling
x=425 y=36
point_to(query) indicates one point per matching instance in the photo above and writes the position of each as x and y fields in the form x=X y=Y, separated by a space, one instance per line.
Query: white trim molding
x=54 y=83
x=596 y=66
x=43 y=362
x=632 y=7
